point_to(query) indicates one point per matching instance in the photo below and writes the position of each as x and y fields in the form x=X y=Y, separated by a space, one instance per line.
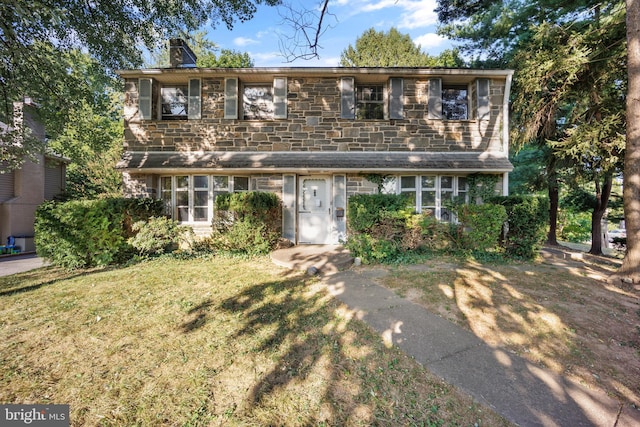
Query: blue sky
x=348 y=19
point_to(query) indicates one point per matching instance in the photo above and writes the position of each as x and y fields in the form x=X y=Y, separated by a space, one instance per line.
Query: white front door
x=314 y=210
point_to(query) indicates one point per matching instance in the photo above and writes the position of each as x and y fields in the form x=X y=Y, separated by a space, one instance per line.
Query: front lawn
x=558 y=313
x=217 y=341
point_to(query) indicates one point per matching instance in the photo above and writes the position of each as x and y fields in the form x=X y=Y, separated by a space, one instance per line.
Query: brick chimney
x=180 y=55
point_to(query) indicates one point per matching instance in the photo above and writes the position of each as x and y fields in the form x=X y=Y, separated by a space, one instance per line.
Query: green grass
x=208 y=342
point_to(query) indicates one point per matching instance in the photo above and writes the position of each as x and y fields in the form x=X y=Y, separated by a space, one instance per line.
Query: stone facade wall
x=313 y=123
x=139 y=185
x=359 y=185
x=271 y=183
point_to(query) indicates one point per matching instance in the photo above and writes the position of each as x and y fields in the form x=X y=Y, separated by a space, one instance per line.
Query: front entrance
x=314 y=210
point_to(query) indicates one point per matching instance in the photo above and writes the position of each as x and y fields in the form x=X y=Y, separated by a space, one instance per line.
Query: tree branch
x=308 y=26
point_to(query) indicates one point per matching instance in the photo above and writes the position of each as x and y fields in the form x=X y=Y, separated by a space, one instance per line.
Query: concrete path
x=523 y=393
x=20 y=263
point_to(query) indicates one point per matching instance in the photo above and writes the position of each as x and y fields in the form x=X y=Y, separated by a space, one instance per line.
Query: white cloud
x=429 y=40
x=244 y=41
x=413 y=13
x=418 y=14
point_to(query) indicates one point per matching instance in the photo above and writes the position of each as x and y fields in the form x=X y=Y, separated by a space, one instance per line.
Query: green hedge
x=528 y=217
x=481 y=225
x=365 y=211
x=159 y=235
x=384 y=228
x=247 y=223
x=90 y=233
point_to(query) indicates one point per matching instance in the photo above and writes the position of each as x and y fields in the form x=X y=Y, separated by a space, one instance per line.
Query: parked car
x=617 y=233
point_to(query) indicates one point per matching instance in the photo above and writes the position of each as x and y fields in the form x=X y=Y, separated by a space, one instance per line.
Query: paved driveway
x=20 y=263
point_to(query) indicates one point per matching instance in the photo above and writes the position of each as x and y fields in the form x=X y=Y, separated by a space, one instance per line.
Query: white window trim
x=279 y=92
x=191 y=194
x=417 y=191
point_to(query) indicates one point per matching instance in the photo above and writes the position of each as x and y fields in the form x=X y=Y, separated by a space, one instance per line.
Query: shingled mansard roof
x=296 y=161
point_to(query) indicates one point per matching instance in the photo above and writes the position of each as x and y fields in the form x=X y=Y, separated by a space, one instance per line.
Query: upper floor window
x=257 y=102
x=260 y=101
x=370 y=102
x=169 y=102
x=455 y=102
x=174 y=102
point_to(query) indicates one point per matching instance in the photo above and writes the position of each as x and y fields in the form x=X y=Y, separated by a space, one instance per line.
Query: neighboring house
x=23 y=190
x=311 y=135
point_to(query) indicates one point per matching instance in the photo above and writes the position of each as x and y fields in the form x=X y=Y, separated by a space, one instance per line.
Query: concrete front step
x=324 y=259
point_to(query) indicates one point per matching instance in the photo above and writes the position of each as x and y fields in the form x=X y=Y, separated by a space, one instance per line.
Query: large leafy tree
x=38 y=41
x=393 y=49
x=569 y=62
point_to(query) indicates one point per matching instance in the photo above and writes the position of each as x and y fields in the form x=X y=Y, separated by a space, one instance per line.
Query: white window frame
x=392 y=98
x=278 y=103
x=436 y=105
x=161 y=115
x=212 y=191
x=150 y=111
x=418 y=188
x=268 y=114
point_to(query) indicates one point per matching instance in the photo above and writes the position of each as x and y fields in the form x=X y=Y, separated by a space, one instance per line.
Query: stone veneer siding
x=313 y=123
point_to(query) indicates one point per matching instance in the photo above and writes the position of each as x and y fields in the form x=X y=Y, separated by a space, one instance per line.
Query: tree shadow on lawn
x=517 y=388
x=295 y=320
x=35 y=279
x=325 y=366
x=199 y=315
x=560 y=315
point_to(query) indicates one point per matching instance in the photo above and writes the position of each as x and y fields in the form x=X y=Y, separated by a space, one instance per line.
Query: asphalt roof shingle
x=347 y=161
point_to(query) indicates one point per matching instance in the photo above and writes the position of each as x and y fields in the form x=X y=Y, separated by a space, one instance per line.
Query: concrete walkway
x=522 y=392
x=19 y=263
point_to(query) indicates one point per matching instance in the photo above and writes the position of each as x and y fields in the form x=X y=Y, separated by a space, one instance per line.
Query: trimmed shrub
x=247 y=223
x=89 y=233
x=365 y=211
x=382 y=228
x=158 y=235
x=527 y=219
x=481 y=225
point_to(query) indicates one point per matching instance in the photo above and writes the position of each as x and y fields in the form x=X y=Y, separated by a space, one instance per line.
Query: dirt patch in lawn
x=559 y=313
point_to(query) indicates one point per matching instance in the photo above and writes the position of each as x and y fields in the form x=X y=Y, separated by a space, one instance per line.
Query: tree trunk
x=602 y=200
x=554 y=201
x=630 y=269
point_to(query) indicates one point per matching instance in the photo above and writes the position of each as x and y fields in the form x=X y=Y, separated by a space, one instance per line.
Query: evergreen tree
x=569 y=80
x=393 y=49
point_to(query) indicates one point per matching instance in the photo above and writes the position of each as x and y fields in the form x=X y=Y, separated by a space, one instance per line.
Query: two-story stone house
x=311 y=135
